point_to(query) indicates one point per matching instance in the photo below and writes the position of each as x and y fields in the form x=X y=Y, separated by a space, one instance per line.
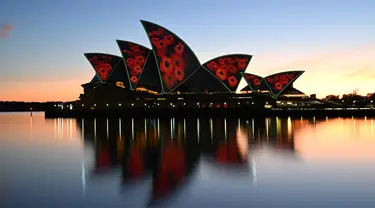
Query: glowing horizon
x=335 y=49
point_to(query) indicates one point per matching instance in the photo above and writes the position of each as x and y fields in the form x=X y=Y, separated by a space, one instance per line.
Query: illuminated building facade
x=169 y=74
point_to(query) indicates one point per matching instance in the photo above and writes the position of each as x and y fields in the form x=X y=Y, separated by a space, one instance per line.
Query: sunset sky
x=42 y=42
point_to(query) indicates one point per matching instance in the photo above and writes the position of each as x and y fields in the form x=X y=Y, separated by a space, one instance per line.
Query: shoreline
x=210 y=112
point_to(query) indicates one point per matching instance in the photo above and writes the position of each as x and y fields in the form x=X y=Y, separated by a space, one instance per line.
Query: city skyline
x=42 y=43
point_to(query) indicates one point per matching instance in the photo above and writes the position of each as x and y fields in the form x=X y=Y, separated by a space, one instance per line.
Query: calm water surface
x=188 y=162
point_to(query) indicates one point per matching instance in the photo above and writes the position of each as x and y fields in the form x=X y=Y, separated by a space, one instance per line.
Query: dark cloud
x=5 y=30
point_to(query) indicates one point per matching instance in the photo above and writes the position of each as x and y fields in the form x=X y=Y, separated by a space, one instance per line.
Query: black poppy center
x=178 y=72
x=167 y=64
x=102 y=71
x=221 y=73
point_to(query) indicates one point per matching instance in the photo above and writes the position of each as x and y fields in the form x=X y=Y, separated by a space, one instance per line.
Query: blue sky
x=49 y=37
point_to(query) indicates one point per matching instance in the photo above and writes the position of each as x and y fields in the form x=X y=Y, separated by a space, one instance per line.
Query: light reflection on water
x=188 y=162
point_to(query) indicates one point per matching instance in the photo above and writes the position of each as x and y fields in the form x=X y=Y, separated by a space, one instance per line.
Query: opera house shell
x=171 y=68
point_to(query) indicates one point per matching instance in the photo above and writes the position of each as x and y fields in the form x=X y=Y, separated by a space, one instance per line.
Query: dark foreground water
x=186 y=162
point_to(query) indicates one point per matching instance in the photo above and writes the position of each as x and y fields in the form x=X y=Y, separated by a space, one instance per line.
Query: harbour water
x=191 y=162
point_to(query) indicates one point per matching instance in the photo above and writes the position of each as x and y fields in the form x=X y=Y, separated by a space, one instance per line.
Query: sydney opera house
x=169 y=74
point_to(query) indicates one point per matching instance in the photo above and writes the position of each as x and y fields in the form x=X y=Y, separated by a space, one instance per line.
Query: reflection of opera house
x=170 y=75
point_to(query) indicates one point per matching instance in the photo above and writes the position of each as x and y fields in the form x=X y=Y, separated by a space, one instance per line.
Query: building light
x=71 y=107
x=119 y=104
x=184 y=103
x=210 y=103
x=371 y=101
x=83 y=105
x=55 y=104
x=145 y=104
x=173 y=105
x=158 y=104
x=225 y=103
x=107 y=104
x=170 y=103
x=252 y=103
x=132 y=104
x=94 y=104
x=239 y=103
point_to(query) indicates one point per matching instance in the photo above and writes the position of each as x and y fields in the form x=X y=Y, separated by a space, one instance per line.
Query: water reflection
x=167 y=151
x=187 y=162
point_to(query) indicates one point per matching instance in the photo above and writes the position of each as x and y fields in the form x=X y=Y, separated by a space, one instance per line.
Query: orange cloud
x=5 y=30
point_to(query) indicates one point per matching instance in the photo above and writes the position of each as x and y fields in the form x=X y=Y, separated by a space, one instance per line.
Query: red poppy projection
x=229 y=153
x=228 y=69
x=254 y=81
x=135 y=57
x=136 y=167
x=278 y=82
x=175 y=60
x=171 y=170
x=103 y=64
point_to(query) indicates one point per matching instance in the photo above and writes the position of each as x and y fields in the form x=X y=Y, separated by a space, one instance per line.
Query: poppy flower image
x=232 y=81
x=166 y=65
x=125 y=51
x=155 y=41
x=101 y=62
x=107 y=67
x=256 y=82
x=98 y=67
x=130 y=53
x=229 y=60
x=168 y=39
x=95 y=60
x=212 y=65
x=221 y=74
x=222 y=61
x=140 y=60
x=169 y=80
x=161 y=52
x=277 y=77
x=109 y=58
x=150 y=34
x=290 y=76
x=178 y=62
x=284 y=81
x=129 y=62
x=179 y=48
x=158 y=32
x=135 y=48
x=249 y=76
x=232 y=69
x=242 y=63
x=103 y=57
x=160 y=44
x=270 y=80
x=278 y=86
x=136 y=70
x=282 y=76
x=103 y=74
x=133 y=79
x=179 y=74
